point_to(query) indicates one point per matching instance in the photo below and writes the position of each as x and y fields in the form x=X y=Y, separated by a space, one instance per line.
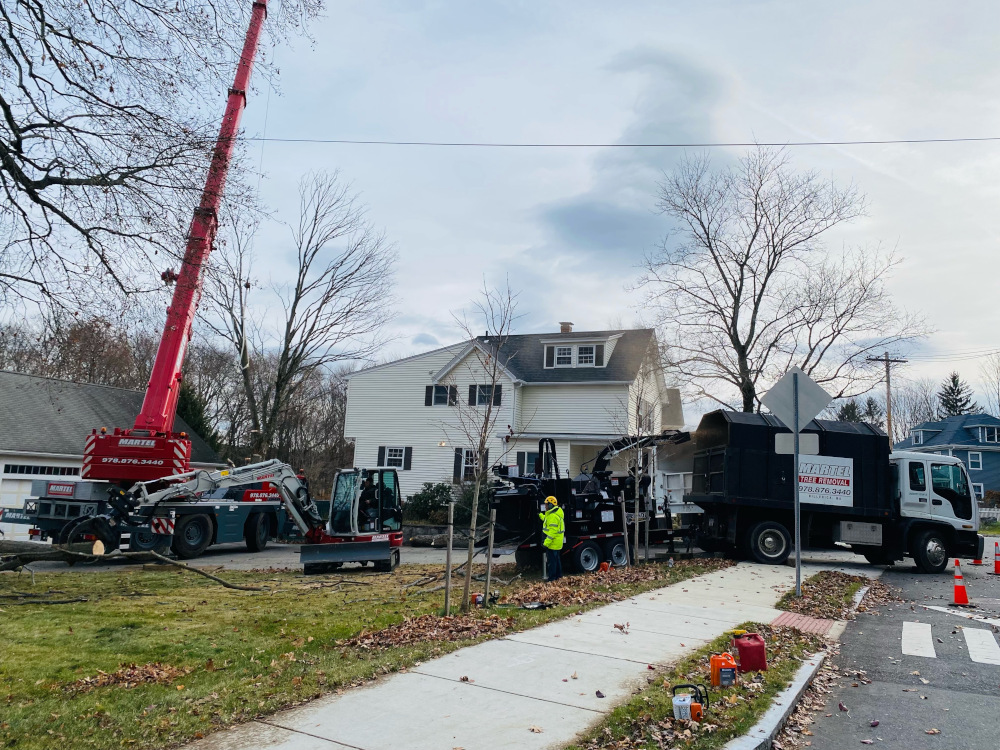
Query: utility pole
x=888 y=389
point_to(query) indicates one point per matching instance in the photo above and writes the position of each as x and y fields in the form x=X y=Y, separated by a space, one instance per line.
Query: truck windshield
x=949 y=482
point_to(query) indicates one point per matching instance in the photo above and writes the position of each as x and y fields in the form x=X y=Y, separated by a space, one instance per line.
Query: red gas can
x=753 y=655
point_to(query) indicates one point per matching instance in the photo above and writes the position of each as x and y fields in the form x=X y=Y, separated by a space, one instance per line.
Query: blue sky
x=570 y=226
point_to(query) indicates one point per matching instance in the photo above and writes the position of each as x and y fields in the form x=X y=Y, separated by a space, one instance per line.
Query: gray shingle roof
x=959 y=430
x=524 y=356
x=45 y=415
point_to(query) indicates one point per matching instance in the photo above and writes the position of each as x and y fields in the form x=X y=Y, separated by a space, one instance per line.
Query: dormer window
x=989 y=434
x=918 y=437
x=576 y=355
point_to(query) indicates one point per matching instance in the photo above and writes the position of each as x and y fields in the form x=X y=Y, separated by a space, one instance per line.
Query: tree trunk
x=466 y=604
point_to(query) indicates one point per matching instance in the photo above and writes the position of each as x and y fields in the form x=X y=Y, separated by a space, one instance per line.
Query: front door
x=951 y=497
x=914 y=491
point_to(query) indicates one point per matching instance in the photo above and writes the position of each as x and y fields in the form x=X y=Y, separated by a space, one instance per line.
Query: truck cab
x=933 y=493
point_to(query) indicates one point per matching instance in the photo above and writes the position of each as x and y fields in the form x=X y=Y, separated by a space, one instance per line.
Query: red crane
x=151 y=449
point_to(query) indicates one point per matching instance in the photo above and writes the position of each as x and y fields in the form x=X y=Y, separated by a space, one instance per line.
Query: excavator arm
x=191 y=485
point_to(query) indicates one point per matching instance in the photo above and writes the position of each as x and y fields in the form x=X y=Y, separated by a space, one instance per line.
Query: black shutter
x=452 y=395
x=497 y=390
x=429 y=395
x=407 y=458
x=459 y=461
x=472 y=395
x=520 y=463
x=550 y=356
x=486 y=461
x=599 y=355
x=381 y=456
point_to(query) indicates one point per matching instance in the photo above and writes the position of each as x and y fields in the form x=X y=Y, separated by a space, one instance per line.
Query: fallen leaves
x=131 y=675
x=535 y=729
x=932 y=731
x=622 y=628
x=431 y=628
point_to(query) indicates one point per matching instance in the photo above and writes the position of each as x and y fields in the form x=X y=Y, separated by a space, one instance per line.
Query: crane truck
x=137 y=480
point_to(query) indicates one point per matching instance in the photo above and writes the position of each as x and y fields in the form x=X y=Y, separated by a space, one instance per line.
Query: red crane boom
x=151 y=449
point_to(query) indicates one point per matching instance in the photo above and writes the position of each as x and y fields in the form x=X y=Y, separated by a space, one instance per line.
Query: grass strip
x=646 y=721
x=828 y=594
x=158 y=657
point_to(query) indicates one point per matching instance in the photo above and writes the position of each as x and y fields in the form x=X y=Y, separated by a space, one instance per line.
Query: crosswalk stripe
x=983 y=648
x=917 y=640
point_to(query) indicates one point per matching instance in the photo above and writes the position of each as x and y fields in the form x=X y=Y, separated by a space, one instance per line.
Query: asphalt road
x=931 y=673
x=237 y=557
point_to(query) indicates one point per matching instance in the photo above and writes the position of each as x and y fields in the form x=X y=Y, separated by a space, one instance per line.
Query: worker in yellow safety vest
x=554 y=533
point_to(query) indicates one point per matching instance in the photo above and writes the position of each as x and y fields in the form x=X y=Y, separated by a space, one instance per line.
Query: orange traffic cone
x=977 y=561
x=996 y=558
x=961 y=598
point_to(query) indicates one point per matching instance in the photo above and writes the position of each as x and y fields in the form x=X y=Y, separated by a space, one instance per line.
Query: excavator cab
x=365 y=501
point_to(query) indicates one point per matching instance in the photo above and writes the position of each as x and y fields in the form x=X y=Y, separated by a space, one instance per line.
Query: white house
x=583 y=389
x=44 y=423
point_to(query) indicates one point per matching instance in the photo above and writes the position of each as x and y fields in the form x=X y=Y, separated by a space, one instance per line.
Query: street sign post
x=796 y=399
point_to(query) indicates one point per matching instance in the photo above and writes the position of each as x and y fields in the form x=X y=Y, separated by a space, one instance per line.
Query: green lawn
x=227 y=655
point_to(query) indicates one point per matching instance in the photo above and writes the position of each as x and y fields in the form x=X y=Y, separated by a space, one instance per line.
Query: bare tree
x=913 y=402
x=989 y=370
x=747 y=289
x=475 y=419
x=107 y=111
x=334 y=311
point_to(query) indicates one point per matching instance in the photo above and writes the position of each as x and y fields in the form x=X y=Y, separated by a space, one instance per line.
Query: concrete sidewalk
x=517 y=682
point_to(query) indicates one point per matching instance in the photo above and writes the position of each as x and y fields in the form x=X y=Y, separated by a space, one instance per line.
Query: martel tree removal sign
x=826 y=480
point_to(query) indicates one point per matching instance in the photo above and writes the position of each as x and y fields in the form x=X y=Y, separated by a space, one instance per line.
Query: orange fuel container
x=753 y=655
x=723 y=670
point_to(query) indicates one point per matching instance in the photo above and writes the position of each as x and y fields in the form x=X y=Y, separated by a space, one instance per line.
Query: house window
x=585 y=355
x=440 y=395
x=918 y=438
x=988 y=434
x=580 y=355
x=469 y=466
x=483 y=395
x=975 y=461
x=564 y=356
x=397 y=457
x=978 y=490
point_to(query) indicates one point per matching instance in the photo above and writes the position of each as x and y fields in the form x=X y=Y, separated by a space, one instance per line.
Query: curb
x=761 y=734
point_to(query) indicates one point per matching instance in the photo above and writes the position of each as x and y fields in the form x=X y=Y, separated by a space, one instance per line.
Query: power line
x=707 y=144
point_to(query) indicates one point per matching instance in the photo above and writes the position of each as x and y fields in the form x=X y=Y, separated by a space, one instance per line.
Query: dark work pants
x=554 y=563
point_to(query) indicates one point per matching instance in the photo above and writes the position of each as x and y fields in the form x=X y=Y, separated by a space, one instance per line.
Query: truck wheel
x=192 y=536
x=769 y=542
x=257 y=531
x=587 y=557
x=616 y=553
x=145 y=540
x=930 y=552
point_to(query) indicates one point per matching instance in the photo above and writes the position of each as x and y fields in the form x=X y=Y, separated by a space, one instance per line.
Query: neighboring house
x=43 y=425
x=974 y=438
x=583 y=389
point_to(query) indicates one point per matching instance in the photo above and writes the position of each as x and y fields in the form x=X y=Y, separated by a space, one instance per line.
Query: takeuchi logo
x=137 y=443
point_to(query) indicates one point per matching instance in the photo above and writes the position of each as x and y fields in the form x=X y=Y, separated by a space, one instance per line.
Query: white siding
x=385 y=407
x=573 y=409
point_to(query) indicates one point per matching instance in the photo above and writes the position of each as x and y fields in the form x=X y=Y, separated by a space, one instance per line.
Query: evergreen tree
x=955 y=398
x=873 y=412
x=849 y=412
x=191 y=408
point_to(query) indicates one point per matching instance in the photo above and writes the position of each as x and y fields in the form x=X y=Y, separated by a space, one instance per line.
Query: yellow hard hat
x=552 y=500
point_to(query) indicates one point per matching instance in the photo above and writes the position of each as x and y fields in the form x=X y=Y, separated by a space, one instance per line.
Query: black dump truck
x=596 y=506
x=854 y=493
